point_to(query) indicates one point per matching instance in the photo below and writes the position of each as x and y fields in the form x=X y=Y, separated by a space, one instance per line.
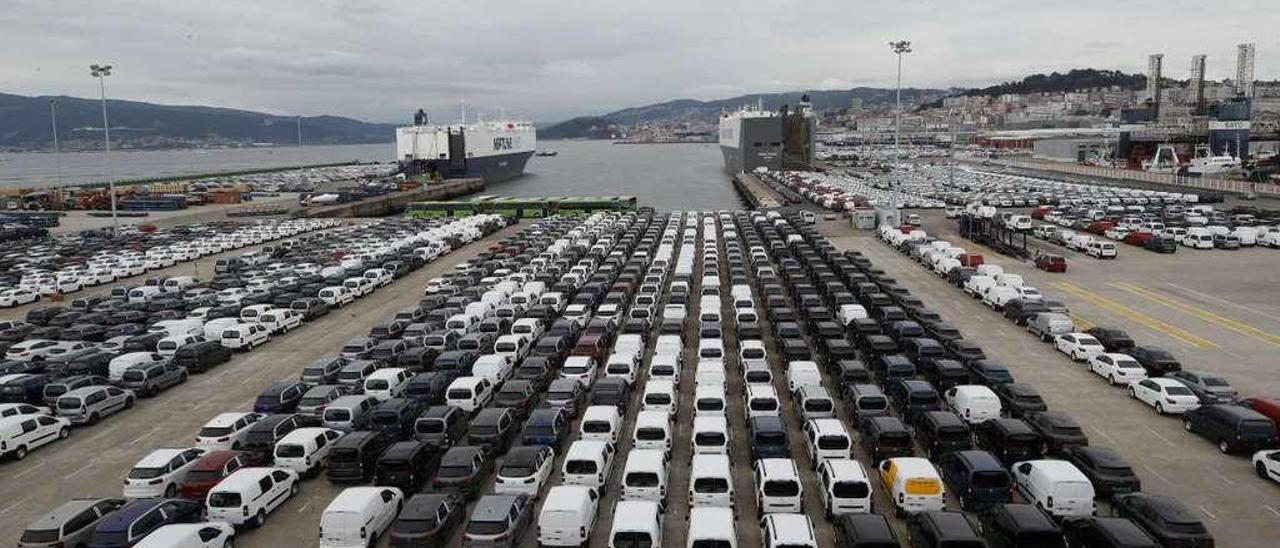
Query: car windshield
x=386 y=418
x=134 y=376
x=641 y=479
x=486 y=528
x=221 y=499
x=337 y=414
x=376 y=384
x=215 y=431
x=68 y=403
x=1214 y=381
x=581 y=467
x=454 y=471
x=1178 y=391
x=833 y=442
x=781 y=488
x=290 y=451
x=429 y=426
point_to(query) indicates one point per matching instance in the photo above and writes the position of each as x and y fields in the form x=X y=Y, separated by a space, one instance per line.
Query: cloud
x=549 y=60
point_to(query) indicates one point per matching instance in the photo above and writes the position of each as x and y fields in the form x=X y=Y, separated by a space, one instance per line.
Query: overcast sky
x=549 y=60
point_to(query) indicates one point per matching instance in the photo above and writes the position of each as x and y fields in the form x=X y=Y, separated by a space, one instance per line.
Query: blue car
x=133 y=522
x=280 y=397
x=546 y=426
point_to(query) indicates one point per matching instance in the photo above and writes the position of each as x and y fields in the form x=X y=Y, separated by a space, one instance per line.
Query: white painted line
x=28 y=471
x=1272 y=510
x=1103 y=433
x=14 y=505
x=1224 y=479
x=304 y=507
x=1207 y=512
x=104 y=432
x=144 y=435
x=1156 y=474
x=1157 y=434
x=80 y=469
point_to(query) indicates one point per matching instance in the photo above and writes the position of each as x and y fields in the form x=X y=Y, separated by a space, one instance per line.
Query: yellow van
x=913 y=483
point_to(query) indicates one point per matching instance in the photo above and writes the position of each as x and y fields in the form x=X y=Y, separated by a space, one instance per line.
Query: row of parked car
x=69 y=264
x=49 y=384
x=1207 y=402
x=1149 y=231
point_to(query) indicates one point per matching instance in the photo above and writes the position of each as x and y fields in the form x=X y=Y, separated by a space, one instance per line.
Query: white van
x=1198 y=238
x=636 y=523
x=711 y=526
x=469 y=393
x=827 y=439
x=588 y=463
x=1101 y=250
x=359 y=516
x=998 y=296
x=644 y=475
x=973 y=402
x=142 y=294
x=244 y=336
x=1056 y=487
x=762 y=401
x=789 y=530
x=800 y=373
x=462 y=324
x=710 y=349
x=709 y=400
x=336 y=296
x=622 y=366
x=976 y=286
x=665 y=367
x=711 y=481
x=600 y=422
x=778 y=485
x=711 y=435
x=516 y=346
x=652 y=431
x=495 y=367
x=568 y=515
x=845 y=487
x=660 y=396
x=249 y=494
x=348 y=413
x=305 y=450
x=850 y=312
x=19 y=434
x=177 y=284
x=913 y=484
x=711 y=373
x=814 y=402
x=387 y=383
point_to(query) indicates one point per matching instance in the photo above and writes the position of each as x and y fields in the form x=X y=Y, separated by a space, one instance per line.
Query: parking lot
x=1212 y=309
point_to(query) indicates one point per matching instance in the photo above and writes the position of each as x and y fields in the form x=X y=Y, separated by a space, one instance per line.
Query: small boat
x=546 y=153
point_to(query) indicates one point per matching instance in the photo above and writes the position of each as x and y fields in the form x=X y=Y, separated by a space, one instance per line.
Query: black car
x=1010 y=440
x=1019 y=525
x=427 y=519
x=1233 y=428
x=1166 y=519
x=407 y=465
x=198 y=357
x=989 y=372
x=280 y=397
x=1156 y=361
x=1058 y=431
x=1109 y=473
x=1096 y=532
x=1112 y=339
x=517 y=395
x=1019 y=399
x=613 y=391
x=964 y=351
x=768 y=437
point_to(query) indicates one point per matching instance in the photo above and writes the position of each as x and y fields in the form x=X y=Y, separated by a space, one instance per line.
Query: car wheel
x=94 y=418
x=1261 y=469
x=261 y=518
x=1159 y=408
x=171 y=490
x=293 y=489
x=64 y=433
x=20 y=453
x=182 y=378
x=229 y=544
x=1186 y=425
x=128 y=403
x=373 y=540
x=1224 y=446
x=1133 y=393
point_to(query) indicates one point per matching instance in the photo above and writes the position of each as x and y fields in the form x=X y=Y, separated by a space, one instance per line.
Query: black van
x=913 y=398
x=1010 y=440
x=838 y=350
x=354 y=456
x=260 y=441
x=1234 y=428
x=941 y=432
x=416 y=358
x=1109 y=472
x=198 y=357
x=885 y=437
x=1019 y=399
x=24 y=388
x=864 y=531
x=1018 y=525
x=977 y=478
x=848 y=373
x=768 y=438
x=892 y=367
x=455 y=363
x=441 y=426
x=96 y=363
x=407 y=465
x=1096 y=532
x=866 y=400
x=492 y=429
x=939 y=529
x=945 y=373
x=876 y=346
x=428 y=388
x=395 y=417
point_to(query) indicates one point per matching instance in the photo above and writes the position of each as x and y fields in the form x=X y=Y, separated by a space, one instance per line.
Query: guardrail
x=1180 y=181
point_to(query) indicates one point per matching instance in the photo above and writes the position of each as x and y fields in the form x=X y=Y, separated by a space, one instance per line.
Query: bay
x=662 y=176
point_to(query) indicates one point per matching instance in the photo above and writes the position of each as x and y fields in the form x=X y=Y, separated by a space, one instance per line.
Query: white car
x=1165 y=395
x=1078 y=346
x=17 y=296
x=1267 y=464
x=226 y=431
x=211 y=534
x=16 y=409
x=160 y=473
x=1117 y=368
x=30 y=349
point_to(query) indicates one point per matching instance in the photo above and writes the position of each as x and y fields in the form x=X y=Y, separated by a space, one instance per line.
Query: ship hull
x=494 y=168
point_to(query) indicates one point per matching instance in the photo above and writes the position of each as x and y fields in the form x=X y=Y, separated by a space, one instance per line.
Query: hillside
x=692 y=110
x=1060 y=82
x=24 y=125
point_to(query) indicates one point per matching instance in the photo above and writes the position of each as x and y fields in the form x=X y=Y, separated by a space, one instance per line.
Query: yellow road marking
x=1081 y=323
x=1210 y=317
x=1139 y=317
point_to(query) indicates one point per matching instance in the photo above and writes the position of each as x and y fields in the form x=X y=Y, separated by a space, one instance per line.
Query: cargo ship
x=752 y=137
x=493 y=150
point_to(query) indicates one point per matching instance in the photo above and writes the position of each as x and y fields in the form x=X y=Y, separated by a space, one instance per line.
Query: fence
x=1268 y=190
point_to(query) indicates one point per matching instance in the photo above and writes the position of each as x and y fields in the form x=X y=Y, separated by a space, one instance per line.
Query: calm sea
x=666 y=177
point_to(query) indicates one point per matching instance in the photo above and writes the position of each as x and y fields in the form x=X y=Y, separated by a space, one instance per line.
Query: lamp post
x=57 y=155
x=900 y=47
x=101 y=72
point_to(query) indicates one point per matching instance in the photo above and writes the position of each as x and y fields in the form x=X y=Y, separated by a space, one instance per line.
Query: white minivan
x=778 y=485
x=652 y=431
x=249 y=494
x=974 y=403
x=711 y=526
x=469 y=393
x=636 y=523
x=644 y=475
x=711 y=481
x=600 y=422
x=358 y=516
x=305 y=450
x=588 y=463
x=845 y=487
x=1056 y=487
x=568 y=515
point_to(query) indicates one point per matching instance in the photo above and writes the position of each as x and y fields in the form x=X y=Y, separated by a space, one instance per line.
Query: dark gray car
x=1209 y=387
x=68 y=525
x=149 y=379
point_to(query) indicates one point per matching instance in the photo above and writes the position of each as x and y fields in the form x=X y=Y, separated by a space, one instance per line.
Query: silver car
x=68 y=525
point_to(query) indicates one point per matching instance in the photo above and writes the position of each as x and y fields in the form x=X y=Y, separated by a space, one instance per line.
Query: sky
x=380 y=60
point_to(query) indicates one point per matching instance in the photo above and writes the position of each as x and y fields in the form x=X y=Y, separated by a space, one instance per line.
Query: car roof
x=55 y=518
x=226 y=419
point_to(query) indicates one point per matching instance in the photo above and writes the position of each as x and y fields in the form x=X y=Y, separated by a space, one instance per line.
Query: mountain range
x=25 y=125
x=692 y=110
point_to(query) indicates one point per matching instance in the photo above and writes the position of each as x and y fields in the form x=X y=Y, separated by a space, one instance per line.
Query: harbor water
x=662 y=176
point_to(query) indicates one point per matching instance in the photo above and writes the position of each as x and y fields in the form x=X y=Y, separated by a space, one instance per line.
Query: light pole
x=57 y=155
x=300 y=146
x=101 y=72
x=900 y=47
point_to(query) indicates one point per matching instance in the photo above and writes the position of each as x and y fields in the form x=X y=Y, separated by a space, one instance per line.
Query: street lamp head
x=901 y=46
x=99 y=70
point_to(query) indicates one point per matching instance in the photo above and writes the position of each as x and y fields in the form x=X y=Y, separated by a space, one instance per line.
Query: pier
x=758 y=194
x=396 y=202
